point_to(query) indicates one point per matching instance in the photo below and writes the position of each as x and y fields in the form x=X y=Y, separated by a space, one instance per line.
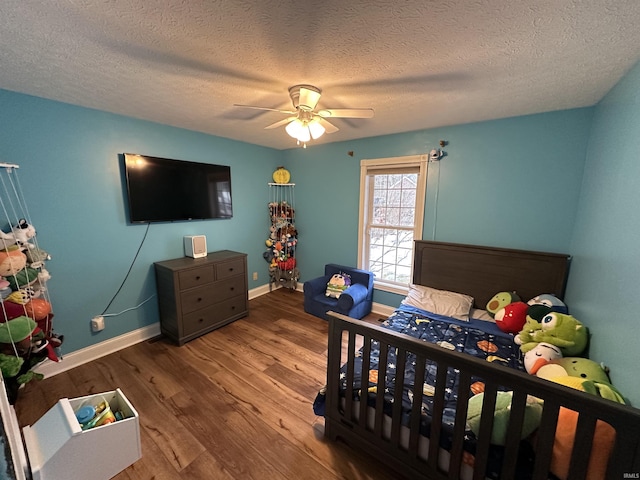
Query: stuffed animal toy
x=563 y=331
x=37 y=308
x=588 y=376
x=10 y=365
x=36 y=256
x=542 y=304
x=23 y=232
x=23 y=278
x=532 y=416
x=511 y=319
x=501 y=300
x=5 y=289
x=12 y=260
x=7 y=239
x=542 y=354
x=526 y=336
x=338 y=283
x=582 y=374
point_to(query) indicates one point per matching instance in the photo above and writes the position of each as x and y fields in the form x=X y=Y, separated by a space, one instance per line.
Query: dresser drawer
x=211 y=293
x=197 y=298
x=213 y=315
x=230 y=268
x=196 y=276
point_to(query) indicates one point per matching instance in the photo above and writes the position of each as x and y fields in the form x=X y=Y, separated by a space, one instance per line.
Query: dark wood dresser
x=197 y=295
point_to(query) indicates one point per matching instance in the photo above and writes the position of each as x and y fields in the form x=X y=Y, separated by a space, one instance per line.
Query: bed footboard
x=366 y=421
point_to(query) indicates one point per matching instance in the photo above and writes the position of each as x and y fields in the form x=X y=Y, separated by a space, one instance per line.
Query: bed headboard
x=484 y=271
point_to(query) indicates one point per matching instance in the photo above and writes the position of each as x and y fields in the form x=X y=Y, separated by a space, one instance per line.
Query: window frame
x=369 y=167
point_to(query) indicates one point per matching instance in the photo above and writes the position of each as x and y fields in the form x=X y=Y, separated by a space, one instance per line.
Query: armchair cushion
x=355 y=301
x=352 y=296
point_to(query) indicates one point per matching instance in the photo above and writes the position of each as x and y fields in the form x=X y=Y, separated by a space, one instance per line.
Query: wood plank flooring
x=233 y=404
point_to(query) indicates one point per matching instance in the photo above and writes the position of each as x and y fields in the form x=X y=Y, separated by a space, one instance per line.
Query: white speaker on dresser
x=195 y=246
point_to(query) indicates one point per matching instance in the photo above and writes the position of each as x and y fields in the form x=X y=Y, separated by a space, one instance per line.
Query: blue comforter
x=478 y=338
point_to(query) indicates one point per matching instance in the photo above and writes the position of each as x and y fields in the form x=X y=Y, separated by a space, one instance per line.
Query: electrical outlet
x=97 y=323
x=255 y=275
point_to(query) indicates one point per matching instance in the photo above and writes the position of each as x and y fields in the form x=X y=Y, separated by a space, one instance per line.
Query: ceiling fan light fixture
x=316 y=129
x=293 y=128
x=298 y=130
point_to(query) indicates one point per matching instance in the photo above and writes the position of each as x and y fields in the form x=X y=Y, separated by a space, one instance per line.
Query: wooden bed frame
x=480 y=272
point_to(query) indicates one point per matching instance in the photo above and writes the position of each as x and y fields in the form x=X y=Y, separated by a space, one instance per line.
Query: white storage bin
x=59 y=449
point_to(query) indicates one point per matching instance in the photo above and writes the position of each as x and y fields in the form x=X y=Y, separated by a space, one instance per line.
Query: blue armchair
x=354 y=302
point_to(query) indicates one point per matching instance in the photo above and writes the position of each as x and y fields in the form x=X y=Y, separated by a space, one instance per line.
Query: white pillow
x=442 y=302
x=480 y=314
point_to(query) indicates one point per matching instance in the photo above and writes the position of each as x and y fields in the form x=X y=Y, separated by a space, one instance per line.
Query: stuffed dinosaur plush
x=563 y=331
x=532 y=416
x=526 y=336
x=582 y=374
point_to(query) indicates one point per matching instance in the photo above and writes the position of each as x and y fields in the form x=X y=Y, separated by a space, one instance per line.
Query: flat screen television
x=166 y=190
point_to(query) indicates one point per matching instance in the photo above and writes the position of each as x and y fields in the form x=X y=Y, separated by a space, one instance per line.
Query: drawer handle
x=231 y=269
x=199 y=299
x=232 y=288
x=200 y=320
x=197 y=277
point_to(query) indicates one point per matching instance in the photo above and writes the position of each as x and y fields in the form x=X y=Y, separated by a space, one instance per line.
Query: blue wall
x=605 y=274
x=517 y=183
x=72 y=182
x=513 y=183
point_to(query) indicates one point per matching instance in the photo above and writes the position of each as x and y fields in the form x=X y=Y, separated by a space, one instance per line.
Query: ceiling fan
x=305 y=121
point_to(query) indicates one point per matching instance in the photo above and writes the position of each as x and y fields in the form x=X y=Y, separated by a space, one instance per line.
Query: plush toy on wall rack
x=23 y=232
x=12 y=260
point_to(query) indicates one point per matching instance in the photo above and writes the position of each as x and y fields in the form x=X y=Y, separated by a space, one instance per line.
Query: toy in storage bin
x=58 y=447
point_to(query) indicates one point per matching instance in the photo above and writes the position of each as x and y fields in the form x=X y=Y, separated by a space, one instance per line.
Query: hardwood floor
x=233 y=404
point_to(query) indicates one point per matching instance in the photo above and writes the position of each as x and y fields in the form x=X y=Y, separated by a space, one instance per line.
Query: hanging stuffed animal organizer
x=26 y=331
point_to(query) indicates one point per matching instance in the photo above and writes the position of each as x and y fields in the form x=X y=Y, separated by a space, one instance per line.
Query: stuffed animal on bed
x=532 y=416
x=582 y=374
x=526 y=336
x=338 y=283
x=588 y=376
x=543 y=304
x=542 y=354
x=512 y=318
x=501 y=300
x=563 y=331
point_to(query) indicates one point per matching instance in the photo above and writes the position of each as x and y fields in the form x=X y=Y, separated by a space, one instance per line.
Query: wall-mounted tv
x=166 y=190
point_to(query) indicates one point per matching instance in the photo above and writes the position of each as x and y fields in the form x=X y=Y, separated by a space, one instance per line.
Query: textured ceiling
x=418 y=63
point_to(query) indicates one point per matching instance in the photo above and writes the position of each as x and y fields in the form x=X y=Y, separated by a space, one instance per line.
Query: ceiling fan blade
x=328 y=127
x=346 y=113
x=308 y=99
x=289 y=112
x=280 y=123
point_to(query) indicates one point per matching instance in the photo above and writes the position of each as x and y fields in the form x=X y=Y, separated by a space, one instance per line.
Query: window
x=392 y=196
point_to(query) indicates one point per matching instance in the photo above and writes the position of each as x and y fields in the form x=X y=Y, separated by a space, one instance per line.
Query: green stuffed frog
x=561 y=330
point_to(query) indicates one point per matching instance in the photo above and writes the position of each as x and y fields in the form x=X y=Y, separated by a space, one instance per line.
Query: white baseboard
x=85 y=355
